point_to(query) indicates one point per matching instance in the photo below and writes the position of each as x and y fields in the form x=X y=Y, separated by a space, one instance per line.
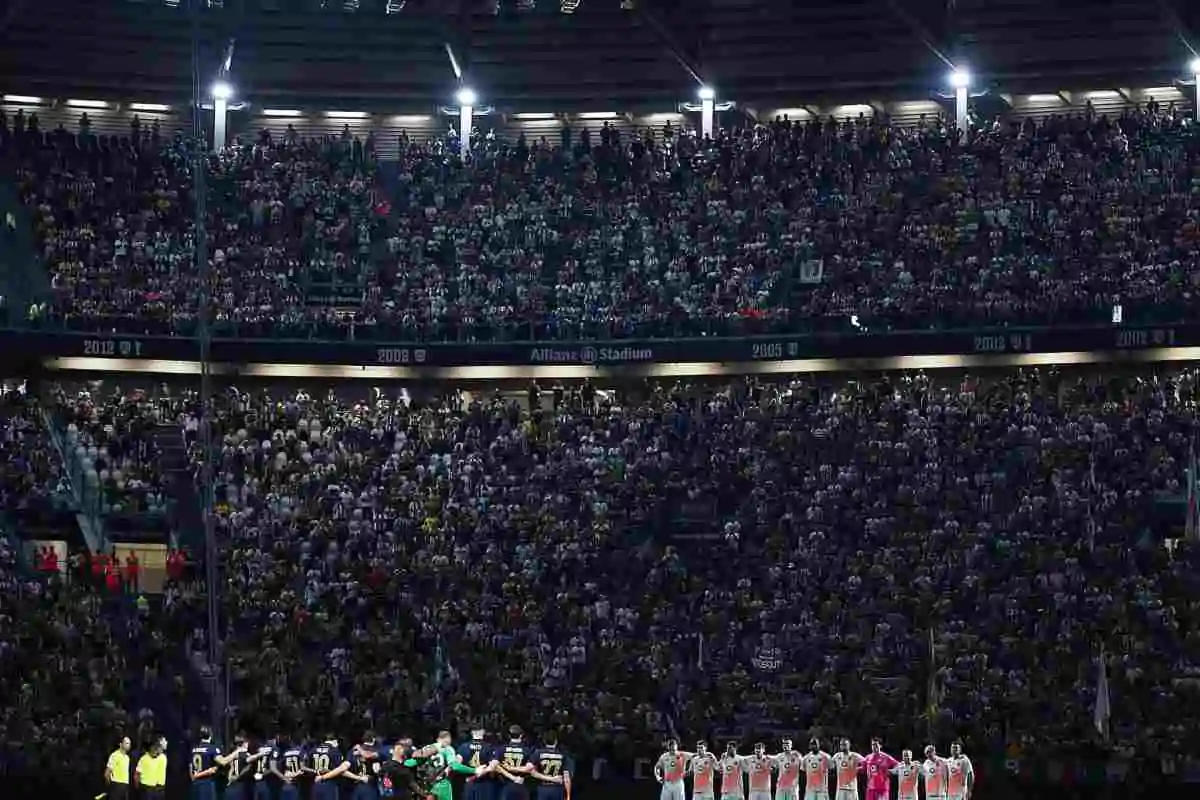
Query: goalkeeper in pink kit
x=878 y=767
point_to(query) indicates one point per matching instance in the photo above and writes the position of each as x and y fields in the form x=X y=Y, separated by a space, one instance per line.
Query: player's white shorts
x=847 y=794
x=673 y=790
x=815 y=794
x=759 y=794
x=787 y=794
x=703 y=796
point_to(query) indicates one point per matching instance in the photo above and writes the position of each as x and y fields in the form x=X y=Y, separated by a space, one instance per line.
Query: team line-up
x=376 y=770
x=944 y=778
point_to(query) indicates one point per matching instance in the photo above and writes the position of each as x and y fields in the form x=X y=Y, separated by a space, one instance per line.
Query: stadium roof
x=607 y=54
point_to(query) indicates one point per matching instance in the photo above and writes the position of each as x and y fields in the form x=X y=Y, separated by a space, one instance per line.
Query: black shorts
x=118 y=791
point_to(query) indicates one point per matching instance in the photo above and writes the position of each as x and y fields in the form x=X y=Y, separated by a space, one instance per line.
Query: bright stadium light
x=466 y=96
x=222 y=90
x=707 y=93
x=960 y=78
x=1195 y=65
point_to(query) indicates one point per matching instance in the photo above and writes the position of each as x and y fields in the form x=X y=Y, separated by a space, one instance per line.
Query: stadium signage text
x=15 y=343
x=590 y=355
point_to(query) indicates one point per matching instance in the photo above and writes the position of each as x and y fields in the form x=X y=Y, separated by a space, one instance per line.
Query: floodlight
x=707 y=93
x=960 y=78
x=1195 y=65
x=466 y=96
x=222 y=90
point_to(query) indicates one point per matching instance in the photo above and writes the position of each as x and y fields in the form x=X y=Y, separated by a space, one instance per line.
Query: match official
x=151 y=773
x=116 y=772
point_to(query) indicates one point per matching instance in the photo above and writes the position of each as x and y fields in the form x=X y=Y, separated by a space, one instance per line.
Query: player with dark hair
x=262 y=771
x=327 y=764
x=816 y=771
x=759 y=767
x=908 y=776
x=513 y=763
x=287 y=764
x=206 y=761
x=241 y=766
x=363 y=761
x=936 y=772
x=703 y=766
x=960 y=774
x=733 y=774
x=552 y=769
x=878 y=766
x=787 y=764
x=846 y=766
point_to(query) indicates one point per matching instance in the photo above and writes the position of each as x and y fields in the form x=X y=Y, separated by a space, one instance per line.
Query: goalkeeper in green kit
x=441 y=757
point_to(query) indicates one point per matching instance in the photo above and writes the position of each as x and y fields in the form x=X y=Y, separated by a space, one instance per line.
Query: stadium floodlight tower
x=1195 y=67
x=467 y=100
x=708 y=107
x=222 y=93
x=960 y=81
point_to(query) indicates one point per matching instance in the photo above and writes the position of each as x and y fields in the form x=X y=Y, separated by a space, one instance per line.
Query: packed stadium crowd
x=910 y=554
x=778 y=226
x=674 y=557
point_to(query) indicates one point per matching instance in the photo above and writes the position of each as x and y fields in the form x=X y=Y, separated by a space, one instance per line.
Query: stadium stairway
x=187 y=519
x=85 y=497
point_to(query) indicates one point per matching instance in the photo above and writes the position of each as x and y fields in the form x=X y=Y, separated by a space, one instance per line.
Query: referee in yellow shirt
x=152 y=772
x=116 y=772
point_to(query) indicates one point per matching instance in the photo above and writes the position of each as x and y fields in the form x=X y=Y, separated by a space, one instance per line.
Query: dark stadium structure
x=761 y=53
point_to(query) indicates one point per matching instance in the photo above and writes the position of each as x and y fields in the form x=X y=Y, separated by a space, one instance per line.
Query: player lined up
x=495 y=772
x=950 y=778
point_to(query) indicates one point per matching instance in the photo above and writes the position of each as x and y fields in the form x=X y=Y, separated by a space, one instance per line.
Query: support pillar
x=708 y=109
x=220 y=123
x=960 y=109
x=465 y=114
x=1196 y=96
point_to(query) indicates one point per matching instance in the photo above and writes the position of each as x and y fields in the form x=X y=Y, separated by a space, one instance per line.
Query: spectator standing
x=112 y=576
x=131 y=573
x=116 y=773
x=152 y=772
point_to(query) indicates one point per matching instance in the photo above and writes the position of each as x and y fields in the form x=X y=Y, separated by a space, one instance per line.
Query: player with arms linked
x=908 y=776
x=847 y=764
x=242 y=765
x=327 y=764
x=364 y=760
x=513 y=762
x=670 y=769
x=287 y=765
x=816 y=771
x=787 y=764
x=960 y=775
x=205 y=763
x=552 y=768
x=262 y=771
x=878 y=766
x=733 y=774
x=703 y=767
x=476 y=753
x=759 y=767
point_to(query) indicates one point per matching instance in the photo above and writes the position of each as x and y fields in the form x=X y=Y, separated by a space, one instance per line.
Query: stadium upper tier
x=764 y=53
x=780 y=227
